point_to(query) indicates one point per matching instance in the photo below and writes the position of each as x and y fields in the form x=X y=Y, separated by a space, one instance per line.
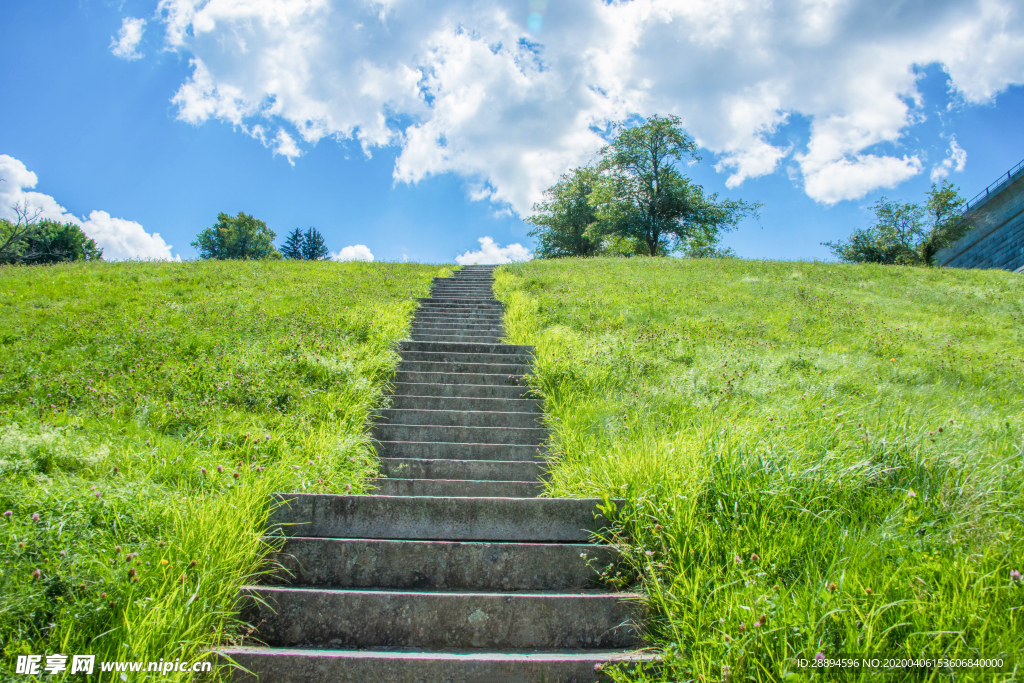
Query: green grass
x=815 y=457
x=146 y=412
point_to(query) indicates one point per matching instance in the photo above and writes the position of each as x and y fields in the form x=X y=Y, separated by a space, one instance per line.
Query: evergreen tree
x=313 y=246
x=293 y=245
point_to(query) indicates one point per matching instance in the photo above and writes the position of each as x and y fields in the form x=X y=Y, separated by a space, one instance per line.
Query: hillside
x=146 y=411
x=817 y=458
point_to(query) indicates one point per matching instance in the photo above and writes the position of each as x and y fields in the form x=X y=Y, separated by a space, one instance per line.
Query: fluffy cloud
x=491 y=254
x=357 y=252
x=120 y=239
x=509 y=102
x=956 y=160
x=126 y=45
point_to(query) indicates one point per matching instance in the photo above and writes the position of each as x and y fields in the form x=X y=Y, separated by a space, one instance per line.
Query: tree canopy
x=242 y=237
x=566 y=221
x=305 y=246
x=907 y=233
x=45 y=241
x=635 y=201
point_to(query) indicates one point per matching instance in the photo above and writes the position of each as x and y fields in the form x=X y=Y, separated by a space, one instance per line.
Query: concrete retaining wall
x=997 y=240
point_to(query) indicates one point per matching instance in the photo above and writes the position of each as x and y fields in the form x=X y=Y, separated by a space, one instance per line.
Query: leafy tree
x=293 y=244
x=893 y=239
x=944 y=209
x=30 y=241
x=567 y=220
x=901 y=235
x=313 y=246
x=649 y=200
x=242 y=237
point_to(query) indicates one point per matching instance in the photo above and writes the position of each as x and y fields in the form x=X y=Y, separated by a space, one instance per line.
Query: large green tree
x=242 y=237
x=314 y=248
x=45 y=241
x=648 y=200
x=567 y=221
x=292 y=248
x=944 y=209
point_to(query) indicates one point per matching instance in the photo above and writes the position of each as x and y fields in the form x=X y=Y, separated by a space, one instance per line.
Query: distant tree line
x=908 y=233
x=29 y=240
x=247 y=238
x=635 y=201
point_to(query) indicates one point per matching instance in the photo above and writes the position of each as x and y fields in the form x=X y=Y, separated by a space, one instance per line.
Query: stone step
x=449 y=433
x=445 y=308
x=451 y=356
x=549 y=520
x=483 y=292
x=458 y=316
x=510 y=349
x=456 y=325
x=461 y=301
x=466 y=368
x=496 y=405
x=457 y=378
x=456 y=488
x=442 y=416
x=456 y=337
x=294 y=665
x=433 y=450
x=422 y=468
x=439 y=565
x=313 y=617
x=460 y=390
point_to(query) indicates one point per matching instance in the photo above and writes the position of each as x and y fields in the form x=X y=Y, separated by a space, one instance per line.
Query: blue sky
x=469 y=124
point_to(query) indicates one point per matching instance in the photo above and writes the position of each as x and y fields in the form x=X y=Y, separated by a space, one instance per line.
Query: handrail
x=1002 y=179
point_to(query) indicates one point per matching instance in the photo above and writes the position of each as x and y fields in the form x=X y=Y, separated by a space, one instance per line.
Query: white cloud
x=126 y=45
x=357 y=252
x=956 y=160
x=464 y=87
x=490 y=254
x=119 y=238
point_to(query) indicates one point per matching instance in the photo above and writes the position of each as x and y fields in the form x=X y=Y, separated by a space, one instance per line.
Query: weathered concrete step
x=457 y=327
x=457 y=316
x=422 y=468
x=456 y=488
x=311 y=617
x=441 y=416
x=417 y=336
x=447 y=309
x=511 y=349
x=461 y=301
x=460 y=390
x=292 y=665
x=482 y=291
x=451 y=356
x=433 y=450
x=437 y=519
x=470 y=368
x=457 y=378
x=439 y=565
x=457 y=434
x=498 y=405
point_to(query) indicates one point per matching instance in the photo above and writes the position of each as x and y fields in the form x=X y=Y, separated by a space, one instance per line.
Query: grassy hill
x=817 y=458
x=146 y=410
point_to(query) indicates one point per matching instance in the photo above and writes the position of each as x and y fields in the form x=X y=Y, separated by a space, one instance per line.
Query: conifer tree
x=293 y=245
x=313 y=246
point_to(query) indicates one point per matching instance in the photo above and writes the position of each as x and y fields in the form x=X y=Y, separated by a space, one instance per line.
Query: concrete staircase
x=454 y=570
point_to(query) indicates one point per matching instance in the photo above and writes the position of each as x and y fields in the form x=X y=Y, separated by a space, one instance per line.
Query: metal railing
x=1002 y=179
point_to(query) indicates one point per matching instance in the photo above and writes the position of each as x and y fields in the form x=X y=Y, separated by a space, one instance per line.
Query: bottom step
x=360 y=666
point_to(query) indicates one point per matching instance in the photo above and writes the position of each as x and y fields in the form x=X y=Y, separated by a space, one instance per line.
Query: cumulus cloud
x=956 y=160
x=119 y=238
x=477 y=90
x=126 y=44
x=357 y=252
x=490 y=253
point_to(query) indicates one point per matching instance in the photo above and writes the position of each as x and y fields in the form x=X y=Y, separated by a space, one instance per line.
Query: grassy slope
x=817 y=458
x=121 y=383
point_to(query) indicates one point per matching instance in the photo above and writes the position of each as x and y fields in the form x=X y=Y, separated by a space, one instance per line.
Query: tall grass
x=816 y=458
x=146 y=413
